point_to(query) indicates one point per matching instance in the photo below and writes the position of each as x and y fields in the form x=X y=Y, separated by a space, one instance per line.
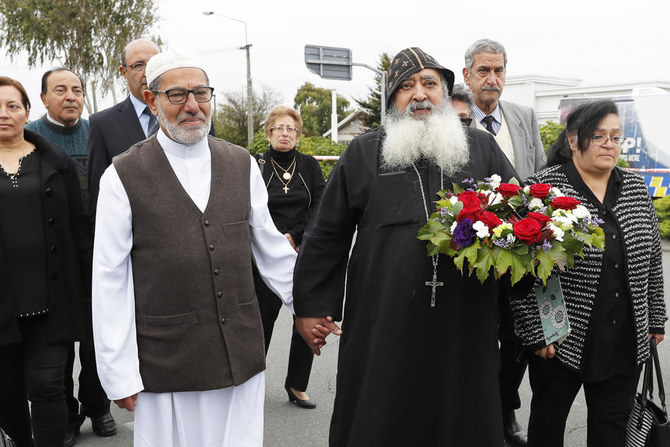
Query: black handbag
x=648 y=424
x=5 y=440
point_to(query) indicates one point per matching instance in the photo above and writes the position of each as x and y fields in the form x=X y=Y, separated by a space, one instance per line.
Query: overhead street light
x=246 y=47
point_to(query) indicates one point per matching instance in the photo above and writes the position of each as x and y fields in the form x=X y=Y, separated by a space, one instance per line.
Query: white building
x=544 y=93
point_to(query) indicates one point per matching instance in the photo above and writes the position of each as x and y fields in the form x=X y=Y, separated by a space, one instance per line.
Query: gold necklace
x=287 y=175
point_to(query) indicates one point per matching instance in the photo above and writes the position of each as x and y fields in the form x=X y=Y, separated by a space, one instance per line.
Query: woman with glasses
x=45 y=274
x=614 y=298
x=295 y=183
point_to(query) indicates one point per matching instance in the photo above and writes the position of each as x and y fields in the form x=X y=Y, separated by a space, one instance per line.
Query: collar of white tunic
x=192 y=165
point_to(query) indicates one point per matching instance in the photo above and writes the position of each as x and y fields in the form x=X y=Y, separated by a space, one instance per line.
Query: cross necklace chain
x=286 y=175
x=434 y=284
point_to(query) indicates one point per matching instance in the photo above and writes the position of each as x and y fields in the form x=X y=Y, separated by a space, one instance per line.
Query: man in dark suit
x=115 y=129
x=516 y=131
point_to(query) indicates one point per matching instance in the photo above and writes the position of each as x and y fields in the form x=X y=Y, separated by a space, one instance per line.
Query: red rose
x=472 y=199
x=508 y=189
x=469 y=212
x=565 y=203
x=541 y=218
x=528 y=230
x=490 y=219
x=540 y=190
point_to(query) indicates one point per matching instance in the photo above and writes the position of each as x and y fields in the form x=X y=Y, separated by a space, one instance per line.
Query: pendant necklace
x=288 y=176
x=434 y=284
x=14 y=178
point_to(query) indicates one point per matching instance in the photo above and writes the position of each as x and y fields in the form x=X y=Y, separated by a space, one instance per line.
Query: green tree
x=85 y=36
x=314 y=105
x=230 y=119
x=372 y=104
x=549 y=133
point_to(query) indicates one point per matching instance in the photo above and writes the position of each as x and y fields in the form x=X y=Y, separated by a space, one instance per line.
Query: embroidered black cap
x=410 y=61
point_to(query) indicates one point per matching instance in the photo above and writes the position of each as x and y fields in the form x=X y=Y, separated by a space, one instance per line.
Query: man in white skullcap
x=181 y=215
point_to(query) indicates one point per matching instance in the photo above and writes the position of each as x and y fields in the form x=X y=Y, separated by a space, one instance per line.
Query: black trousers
x=609 y=403
x=300 y=356
x=93 y=398
x=512 y=363
x=33 y=371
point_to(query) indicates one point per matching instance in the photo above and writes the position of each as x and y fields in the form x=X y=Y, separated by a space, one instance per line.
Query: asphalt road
x=286 y=425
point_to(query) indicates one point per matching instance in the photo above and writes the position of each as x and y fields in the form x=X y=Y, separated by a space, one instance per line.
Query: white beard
x=439 y=137
x=187 y=137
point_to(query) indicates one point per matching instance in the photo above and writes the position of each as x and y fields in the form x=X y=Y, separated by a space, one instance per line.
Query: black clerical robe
x=408 y=374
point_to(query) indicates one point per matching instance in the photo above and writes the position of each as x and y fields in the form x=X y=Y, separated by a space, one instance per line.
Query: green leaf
x=485 y=260
x=545 y=265
x=517 y=265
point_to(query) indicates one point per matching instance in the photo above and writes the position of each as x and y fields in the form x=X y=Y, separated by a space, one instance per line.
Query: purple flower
x=464 y=235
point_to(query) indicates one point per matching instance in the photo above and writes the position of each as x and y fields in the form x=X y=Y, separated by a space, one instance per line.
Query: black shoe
x=309 y=403
x=104 y=425
x=71 y=435
x=512 y=431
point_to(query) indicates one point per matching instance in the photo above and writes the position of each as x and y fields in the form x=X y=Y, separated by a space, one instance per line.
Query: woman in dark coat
x=295 y=183
x=614 y=298
x=45 y=258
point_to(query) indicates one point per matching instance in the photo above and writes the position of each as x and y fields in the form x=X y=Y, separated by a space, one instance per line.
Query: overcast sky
x=600 y=42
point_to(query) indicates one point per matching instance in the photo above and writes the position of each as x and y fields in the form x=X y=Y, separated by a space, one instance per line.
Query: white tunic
x=231 y=416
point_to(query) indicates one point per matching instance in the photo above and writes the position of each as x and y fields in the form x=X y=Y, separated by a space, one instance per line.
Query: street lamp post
x=246 y=48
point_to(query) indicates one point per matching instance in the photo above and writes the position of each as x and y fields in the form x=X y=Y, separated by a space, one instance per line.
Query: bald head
x=134 y=59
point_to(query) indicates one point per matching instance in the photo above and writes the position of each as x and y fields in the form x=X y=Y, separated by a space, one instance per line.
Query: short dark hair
x=6 y=81
x=462 y=93
x=580 y=124
x=46 y=75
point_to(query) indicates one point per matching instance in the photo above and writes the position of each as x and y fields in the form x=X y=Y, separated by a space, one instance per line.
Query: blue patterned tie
x=152 y=128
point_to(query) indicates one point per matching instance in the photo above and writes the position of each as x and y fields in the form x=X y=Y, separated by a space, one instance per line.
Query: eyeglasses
x=179 y=96
x=288 y=129
x=599 y=140
x=466 y=121
x=137 y=66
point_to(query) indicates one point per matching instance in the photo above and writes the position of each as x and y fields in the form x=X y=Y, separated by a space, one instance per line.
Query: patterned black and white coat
x=636 y=217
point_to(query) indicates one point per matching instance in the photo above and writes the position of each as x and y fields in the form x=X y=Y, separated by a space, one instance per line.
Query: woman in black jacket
x=614 y=298
x=295 y=183
x=45 y=271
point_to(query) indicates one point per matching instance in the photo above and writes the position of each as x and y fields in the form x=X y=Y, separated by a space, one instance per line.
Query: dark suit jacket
x=111 y=132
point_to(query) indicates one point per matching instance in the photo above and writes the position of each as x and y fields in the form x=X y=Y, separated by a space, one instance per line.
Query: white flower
x=453 y=227
x=453 y=200
x=495 y=198
x=581 y=212
x=558 y=233
x=481 y=229
x=526 y=189
x=535 y=204
x=511 y=238
x=495 y=181
x=557 y=192
x=564 y=222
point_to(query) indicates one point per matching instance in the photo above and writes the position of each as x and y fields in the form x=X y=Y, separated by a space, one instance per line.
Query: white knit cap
x=169 y=60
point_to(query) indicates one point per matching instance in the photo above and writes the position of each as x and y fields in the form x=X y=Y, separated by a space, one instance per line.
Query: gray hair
x=463 y=94
x=483 y=46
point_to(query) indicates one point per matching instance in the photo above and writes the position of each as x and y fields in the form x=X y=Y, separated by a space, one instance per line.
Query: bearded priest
x=418 y=356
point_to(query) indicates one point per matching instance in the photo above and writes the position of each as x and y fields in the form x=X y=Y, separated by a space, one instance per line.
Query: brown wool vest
x=198 y=323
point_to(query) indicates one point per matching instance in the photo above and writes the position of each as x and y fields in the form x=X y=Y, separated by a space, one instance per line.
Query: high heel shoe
x=308 y=404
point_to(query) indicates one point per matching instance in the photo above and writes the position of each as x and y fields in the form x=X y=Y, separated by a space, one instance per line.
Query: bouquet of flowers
x=509 y=228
